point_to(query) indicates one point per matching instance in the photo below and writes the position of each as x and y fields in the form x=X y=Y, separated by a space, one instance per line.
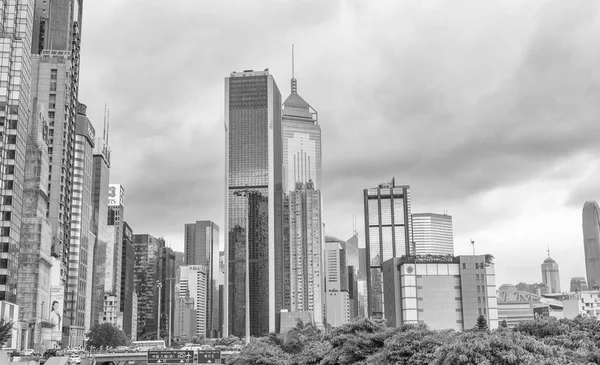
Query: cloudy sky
x=490 y=110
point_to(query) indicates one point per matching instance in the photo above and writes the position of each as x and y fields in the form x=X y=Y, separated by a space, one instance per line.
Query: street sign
x=209 y=357
x=171 y=357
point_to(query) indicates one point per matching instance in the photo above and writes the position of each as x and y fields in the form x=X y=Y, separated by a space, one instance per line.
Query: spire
x=548 y=247
x=107 y=125
x=294 y=82
x=104 y=131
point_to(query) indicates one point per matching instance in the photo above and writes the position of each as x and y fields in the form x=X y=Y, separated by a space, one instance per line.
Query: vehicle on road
x=27 y=352
x=144 y=346
x=75 y=359
x=122 y=349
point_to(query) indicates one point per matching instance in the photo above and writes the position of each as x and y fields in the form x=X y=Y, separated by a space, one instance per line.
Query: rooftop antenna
x=107 y=125
x=294 y=82
x=354 y=225
x=548 y=248
x=104 y=131
x=473 y=243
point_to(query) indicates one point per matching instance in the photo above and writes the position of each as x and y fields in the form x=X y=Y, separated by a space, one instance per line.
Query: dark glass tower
x=591 y=242
x=388 y=234
x=253 y=203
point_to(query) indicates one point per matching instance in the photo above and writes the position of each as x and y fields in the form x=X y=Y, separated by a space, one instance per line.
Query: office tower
x=101 y=174
x=443 y=292
x=185 y=319
x=193 y=283
x=15 y=38
x=134 y=314
x=353 y=295
x=432 y=234
x=337 y=300
x=36 y=232
x=301 y=142
x=254 y=202
x=55 y=83
x=388 y=234
x=352 y=251
x=127 y=285
x=81 y=237
x=305 y=237
x=167 y=276
x=201 y=241
x=550 y=275
x=578 y=284
x=591 y=242
x=146 y=271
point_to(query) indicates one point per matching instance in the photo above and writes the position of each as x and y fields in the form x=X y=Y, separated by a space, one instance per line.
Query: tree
x=503 y=324
x=481 y=323
x=106 y=334
x=260 y=352
x=5 y=332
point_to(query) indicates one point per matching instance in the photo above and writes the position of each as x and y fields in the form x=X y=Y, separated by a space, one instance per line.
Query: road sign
x=208 y=357
x=171 y=357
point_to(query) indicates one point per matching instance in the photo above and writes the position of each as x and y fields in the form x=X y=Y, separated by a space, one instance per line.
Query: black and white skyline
x=487 y=110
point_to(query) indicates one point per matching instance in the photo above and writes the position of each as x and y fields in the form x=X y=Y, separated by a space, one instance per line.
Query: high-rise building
x=253 y=212
x=441 y=291
x=352 y=251
x=432 y=234
x=15 y=38
x=127 y=281
x=81 y=237
x=185 y=319
x=301 y=142
x=146 y=270
x=114 y=247
x=36 y=233
x=388 y=234
x=353 y=295
x=305 y=248
x=100 y=182
x=55 y=82
x=591 y=242
x=193 y=283
x=578 y=285
x=337 y=300
x=550 y=275
x=201 y=242
x=167 y=276
x=134 y=315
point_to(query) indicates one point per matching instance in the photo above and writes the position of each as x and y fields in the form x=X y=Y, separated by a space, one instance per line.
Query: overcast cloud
x=489 y=110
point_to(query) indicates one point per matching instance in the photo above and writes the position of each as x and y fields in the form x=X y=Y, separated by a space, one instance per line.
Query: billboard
x=57 y=298
x=115 y=194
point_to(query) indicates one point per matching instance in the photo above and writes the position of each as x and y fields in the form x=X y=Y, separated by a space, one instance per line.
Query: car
x=122 y=349
x=27 y=352
x=50 y=353
x=75 y=359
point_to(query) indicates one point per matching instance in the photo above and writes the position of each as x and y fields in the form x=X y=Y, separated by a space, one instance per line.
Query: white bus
x=143 y=346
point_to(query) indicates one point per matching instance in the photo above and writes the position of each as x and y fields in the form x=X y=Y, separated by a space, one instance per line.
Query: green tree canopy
x=5 y=332
x=106 y=334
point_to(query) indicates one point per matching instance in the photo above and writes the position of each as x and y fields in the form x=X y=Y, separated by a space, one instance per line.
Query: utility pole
x=170 y=305
x=159 y=285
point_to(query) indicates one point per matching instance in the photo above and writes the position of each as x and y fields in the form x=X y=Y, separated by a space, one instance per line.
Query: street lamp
x=247 y=193
x=159 y=285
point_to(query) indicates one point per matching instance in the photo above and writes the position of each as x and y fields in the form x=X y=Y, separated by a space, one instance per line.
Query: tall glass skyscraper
x=201 y=245
x=550 y=275
x=388 y=234
x=591 y=242
x=254 y=203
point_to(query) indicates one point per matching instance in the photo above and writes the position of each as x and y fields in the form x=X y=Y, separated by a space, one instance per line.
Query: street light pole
x=159 y=285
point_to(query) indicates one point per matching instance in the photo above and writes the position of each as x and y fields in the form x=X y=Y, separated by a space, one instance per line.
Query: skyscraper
x=101 y=174
x=388 y=234
x=15 y=38
x=432 y=234
x=114 y=248
x=201 y=242
x=146 y=270
x=578 y=285
x=591 y=242
x=550 y=275
x=127 y=281
x=36 y=233
x=193 y=283
x=301 y=142
x=305 y=237
x=81 y=237
x=337 y=299
x=253 y=203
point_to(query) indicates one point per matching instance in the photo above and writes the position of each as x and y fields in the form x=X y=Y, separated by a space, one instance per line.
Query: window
x=53 y=74
x=464 y=266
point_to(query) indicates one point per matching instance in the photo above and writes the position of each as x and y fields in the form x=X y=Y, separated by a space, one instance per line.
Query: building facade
x=146 y=249
x=193 y=284
x=443 y=291
x=81 y=237
x=185 y=319
x=432 y=234
x=36 y=233
x=550 y=275
x=254 y=202
x=126 y=308
x=591 y=242
x=578 y=284
x=201 y=247
x=388 y=234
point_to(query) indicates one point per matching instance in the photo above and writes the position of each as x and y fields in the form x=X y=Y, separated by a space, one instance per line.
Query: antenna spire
x=107 y=125
x=548 y=248
x=294 y=82
x=104 y=131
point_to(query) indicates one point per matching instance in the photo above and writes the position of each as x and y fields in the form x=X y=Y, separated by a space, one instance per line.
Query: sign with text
x=209 y=357
x=171 y=357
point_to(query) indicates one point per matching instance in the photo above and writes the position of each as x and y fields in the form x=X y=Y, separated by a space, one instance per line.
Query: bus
x=144 y=346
